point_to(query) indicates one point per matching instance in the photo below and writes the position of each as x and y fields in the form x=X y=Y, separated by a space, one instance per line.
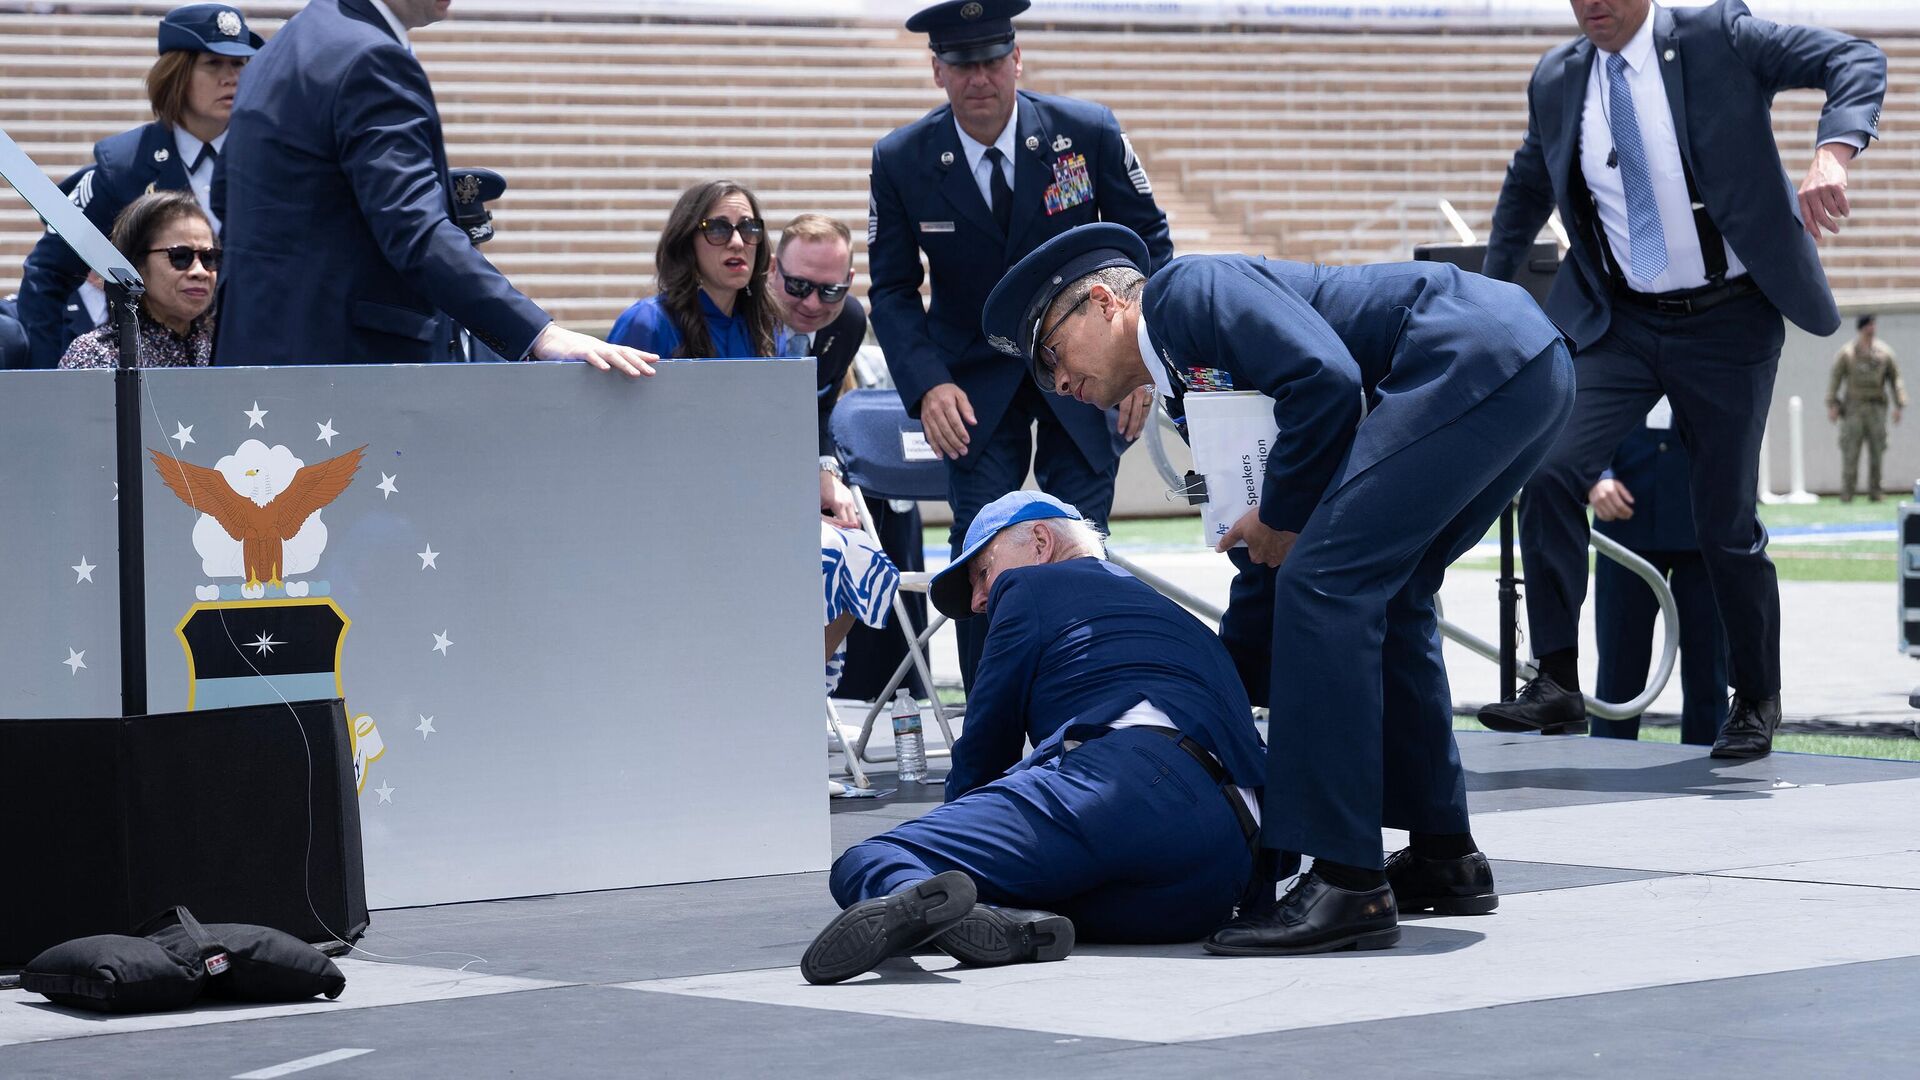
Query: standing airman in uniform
x=1866 y=370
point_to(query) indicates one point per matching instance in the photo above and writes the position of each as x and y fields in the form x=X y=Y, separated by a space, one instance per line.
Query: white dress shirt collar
x=399 y=29
x=1162 y=382
x=975 y=150
x=1638 y=50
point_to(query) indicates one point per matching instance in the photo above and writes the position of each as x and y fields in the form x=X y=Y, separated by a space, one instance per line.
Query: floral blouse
x=159 y=346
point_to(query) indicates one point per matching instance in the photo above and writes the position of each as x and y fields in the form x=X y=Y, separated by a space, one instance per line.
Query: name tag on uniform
x=936 y=226
x=1071 y=184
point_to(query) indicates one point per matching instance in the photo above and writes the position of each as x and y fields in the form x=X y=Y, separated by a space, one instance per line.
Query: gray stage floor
x=1662 y=916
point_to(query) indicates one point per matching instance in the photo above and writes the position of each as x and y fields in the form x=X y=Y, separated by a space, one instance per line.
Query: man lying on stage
x=1133 y=819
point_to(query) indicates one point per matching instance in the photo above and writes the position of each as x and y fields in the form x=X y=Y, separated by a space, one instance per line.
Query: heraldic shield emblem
x=267 y=638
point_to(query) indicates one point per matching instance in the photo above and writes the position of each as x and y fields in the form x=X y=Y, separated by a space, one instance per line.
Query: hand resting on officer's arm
x=945 y=415
x=558 y=343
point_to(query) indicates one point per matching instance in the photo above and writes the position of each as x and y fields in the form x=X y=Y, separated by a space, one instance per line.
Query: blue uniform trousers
x=1360 y=734
x=998 y=464
x=1624 y=609
x=1126 y=835
x=1717 y=369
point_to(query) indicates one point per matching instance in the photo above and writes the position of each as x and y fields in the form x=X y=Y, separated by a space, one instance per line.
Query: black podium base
x=243 y=815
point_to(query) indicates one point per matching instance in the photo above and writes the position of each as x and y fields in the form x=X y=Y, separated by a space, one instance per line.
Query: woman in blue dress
x=710 y=269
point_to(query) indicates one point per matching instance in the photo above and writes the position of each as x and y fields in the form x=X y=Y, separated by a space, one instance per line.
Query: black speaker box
x=245 y=815
x=1536 y=276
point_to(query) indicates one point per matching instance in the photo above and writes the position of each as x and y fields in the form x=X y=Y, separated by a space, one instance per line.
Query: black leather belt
x=1218 y=774
x=1689 y=301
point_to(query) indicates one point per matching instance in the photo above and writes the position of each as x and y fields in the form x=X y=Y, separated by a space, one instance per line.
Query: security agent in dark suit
x=340 y=242
x=202 y=48
x=1652 y=136
x=1132 y=819
x=1412 y=401
x=1644 y=503
x=976 y=184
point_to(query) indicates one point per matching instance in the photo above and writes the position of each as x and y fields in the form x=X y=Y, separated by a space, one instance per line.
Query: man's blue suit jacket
x=336 y=209
x=1081 y=642
x=1726 y=67
x=924 y=199
x=125 y=167
x=1420 y=342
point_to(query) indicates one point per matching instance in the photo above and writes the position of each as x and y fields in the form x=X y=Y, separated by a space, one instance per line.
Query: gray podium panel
x=59 y=579
x=576 y=619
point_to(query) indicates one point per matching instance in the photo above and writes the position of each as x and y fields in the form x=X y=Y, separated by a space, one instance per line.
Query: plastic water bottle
x=909 y=743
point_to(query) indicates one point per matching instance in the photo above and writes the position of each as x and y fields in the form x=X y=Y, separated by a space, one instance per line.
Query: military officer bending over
x=1412 y=402
x=1132 y=820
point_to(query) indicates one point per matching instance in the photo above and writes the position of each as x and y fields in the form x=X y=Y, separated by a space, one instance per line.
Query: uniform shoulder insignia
x=82 y=193
x=873 y=214
x=1136 y=172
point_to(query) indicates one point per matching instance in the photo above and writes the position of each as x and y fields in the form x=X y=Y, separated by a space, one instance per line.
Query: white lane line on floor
x=288 y=1068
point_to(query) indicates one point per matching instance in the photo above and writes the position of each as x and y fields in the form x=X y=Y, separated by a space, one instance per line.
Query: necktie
x=1644 y=233
x=800 y=345
x=207 y=153
x=1002 y=194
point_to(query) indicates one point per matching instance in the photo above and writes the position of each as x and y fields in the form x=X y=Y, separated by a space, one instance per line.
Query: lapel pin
x=1062 y=144
x=1668 y=55
x=161 y=155
x=946 y=158
x=1033 y=142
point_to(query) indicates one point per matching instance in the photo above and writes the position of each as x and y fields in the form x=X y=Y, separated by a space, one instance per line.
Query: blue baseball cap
x=1014 y=309
x=951 y=591
x=208 y=28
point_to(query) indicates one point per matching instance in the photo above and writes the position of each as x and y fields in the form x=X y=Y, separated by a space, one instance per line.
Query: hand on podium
x=558 y=343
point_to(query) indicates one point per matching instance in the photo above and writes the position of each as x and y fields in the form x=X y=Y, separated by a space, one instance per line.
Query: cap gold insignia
x=466 y=189
x=161 y=155
x=971 y=11
x=946 y=158
x=1004 y=345
x=1061 y=144
x=228 y=23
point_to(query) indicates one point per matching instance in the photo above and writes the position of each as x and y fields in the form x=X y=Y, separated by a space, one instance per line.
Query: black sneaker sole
x=860 y=937
x=985 y=937
x=1372 y=939
x=1482 y=904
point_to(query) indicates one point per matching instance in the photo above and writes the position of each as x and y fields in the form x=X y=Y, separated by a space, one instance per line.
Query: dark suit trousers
x=1717 y=369
x=1360 y=734
x=1624 y=609
x=998 y=464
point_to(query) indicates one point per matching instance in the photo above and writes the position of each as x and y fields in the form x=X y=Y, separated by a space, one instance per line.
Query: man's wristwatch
x=831 y=464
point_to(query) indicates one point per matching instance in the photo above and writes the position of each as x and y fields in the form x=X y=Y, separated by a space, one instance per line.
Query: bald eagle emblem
x=466 y=189
x=269 y=513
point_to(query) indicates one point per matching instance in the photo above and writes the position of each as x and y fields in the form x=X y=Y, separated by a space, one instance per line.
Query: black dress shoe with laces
x=1462 y=886
x=988 y=936
x=1543 y=706
x=1313 y=917
x=1749 y=730
x=872 y=930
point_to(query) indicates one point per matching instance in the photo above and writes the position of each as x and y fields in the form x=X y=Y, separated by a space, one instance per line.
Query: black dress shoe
x=872 y=930
x=1313 y=917
x=988 y=936
x=1749 y=729
x=1542 y=705
x=1462 y=886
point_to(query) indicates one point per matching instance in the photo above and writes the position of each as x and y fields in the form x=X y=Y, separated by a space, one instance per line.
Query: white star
x=83 y=572
x=441 y=642
x=427 y=557
x=385 y=791
x=256 y=416
x=386 y=485
x=264 y=643
x=183 y=433
x=75 y=660
x=326 y=433
x=426 y=727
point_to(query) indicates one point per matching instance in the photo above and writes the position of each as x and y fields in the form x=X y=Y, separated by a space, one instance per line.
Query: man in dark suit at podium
x=338 y=211
x=976 y=184
x=1652 y=135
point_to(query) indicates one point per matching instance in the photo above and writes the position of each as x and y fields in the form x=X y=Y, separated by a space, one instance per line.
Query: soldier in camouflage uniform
x=1866 y=370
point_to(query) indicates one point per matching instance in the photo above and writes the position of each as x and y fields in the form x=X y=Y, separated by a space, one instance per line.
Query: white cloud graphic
x=272 y=469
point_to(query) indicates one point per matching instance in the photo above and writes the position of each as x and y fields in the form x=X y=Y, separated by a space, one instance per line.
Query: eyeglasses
x=719 y=230
x=799 y=288
x=181 y=257
x=1046 y=359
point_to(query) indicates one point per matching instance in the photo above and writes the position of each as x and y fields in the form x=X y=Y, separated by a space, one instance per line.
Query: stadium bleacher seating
x=1307 y=145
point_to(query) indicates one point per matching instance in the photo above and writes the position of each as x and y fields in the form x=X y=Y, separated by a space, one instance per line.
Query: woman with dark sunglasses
x=710 y=269
x=167 y=237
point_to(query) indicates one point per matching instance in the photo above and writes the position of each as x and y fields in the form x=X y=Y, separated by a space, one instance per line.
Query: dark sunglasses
x=719 y=230
x=181 y=257
x=1045 y=359
x=799 y=288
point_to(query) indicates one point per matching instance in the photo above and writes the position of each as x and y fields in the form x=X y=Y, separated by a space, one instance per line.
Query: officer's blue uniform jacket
x=924 y=199
x=1725 y=67
x=125 y=167
x=1419 y=342
x=1654 y=468
x=340 y=243
x=1081 y=642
